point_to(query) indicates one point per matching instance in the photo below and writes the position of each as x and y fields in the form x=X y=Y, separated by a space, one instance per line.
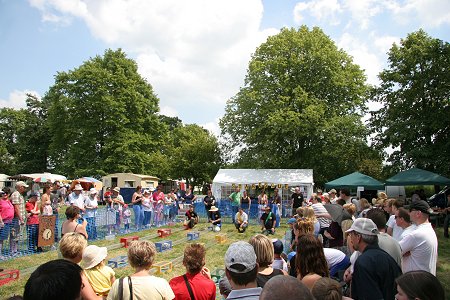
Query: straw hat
x=93 y=255
x=116 y=189
x=213 y=208
x=78 y=187
x=93 y=191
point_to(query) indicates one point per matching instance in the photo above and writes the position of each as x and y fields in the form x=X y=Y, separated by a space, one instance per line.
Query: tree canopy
x=300 y=107
x=414 y=93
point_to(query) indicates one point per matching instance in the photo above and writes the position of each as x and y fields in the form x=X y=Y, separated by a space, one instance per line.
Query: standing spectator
x=235 y=199
x=322 y=215
x=32 y=208
x=392 y=228
x=345 y=195
x=246 y=201
x=262 y=203
x=241 y=219
x=278 y=261
x=71 y=224
x=189 y=197
x=196 y=283
x=264 y=257
x=76 y=198
x=446 y=211
x=147 y=207
x=216 y=221
x=46 y=204
x=374 y=270
x=19 y=216
x=91 y=205
x=174 y=208
x=126 y=218
x=310 y=260
x=296 y=199
x=167 y=208
x=404 y=221
x=117 y=206
x=56 y=199
x=141 y=285
x=276 y=206
x=332 y=193
x=241 y=270
x=268 y=220
x=191 y=218
x=6 y=218
x=420 y=285
x=136 y=200
x=419 y=248
x=209 y=201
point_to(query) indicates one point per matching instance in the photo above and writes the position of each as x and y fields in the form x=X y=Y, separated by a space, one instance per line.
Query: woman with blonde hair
x=308 y=212
x=264 y=251
x=141 y=285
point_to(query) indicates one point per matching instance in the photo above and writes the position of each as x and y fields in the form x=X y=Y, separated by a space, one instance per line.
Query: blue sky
x=194 y=53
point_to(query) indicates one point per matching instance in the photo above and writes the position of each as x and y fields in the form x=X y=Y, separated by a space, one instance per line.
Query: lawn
x=214 y=259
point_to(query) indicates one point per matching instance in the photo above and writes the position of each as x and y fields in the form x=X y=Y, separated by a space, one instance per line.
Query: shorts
x=4 y=231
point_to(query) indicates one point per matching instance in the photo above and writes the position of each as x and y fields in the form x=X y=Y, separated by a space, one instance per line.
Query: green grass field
x=214 y=259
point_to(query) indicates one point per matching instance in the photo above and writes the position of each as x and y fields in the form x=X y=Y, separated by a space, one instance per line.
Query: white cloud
x=194 y=53
x=429 y=13
x=168 y=111
x=17 y=99
x=212 y=127
x=384 y=43
x=322 y=10
x=362 y=56
x=362 y=10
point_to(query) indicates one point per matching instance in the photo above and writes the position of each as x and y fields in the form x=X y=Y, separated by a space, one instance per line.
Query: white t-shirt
x=422 y=245
x=147 y=204
x=333 y=256
x=144 y=288
x=90 y=212
x=77 y=200
x=408 y=230
x=319 y=209
x=396 y=230
x=280 y=264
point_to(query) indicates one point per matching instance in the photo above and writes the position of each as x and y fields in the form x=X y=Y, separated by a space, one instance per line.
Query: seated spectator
x=264 y=257
x=54 y=280
x=310 y=260
x=241 y=270
x=141 y=285
x=241 y=220
x=100 y=276
x=420 y=285
x=328 y=289
x=268 y=220
x=71 y=224
x=286 y=288
x=196 y=283
x=191 y=218
x=278 y=261
x=71 y=247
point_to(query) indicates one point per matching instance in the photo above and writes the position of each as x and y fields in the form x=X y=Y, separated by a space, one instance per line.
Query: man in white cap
x=91 y=205
x=19 y=215
x=375 y=271
x=76 y=198
x=241 y=270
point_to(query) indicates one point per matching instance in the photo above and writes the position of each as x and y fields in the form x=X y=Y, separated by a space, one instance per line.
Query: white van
x=397 y=192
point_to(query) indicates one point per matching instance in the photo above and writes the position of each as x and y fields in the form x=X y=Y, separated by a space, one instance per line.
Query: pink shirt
x=6 y=210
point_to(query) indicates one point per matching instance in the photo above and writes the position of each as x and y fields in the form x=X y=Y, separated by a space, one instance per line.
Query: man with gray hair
x=20 y=217
x=241 y=270
x=375 y=271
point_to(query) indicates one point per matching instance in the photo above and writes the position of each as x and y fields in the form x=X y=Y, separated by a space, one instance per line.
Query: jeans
x=147 y=217
x=138 y=215
x=32 y=232
x=91 y=229
x=234 y=210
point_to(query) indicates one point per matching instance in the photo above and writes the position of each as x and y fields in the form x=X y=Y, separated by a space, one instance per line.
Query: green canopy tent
x=355 y=180
x=416 y=176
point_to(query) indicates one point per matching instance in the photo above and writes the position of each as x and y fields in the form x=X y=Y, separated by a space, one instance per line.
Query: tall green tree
x=415 y=95
x=195 y=154
x=103 y=118
x=300 y=107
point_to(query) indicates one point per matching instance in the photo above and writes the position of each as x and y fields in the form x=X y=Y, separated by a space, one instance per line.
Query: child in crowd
x=33 y=211
x=126 y=218
x=159 y=213
x=100 y=276
x=278 y=261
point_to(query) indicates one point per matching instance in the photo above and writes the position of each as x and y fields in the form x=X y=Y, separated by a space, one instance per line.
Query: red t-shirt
x=33 y=219
x=202 y=287
x=6 y=210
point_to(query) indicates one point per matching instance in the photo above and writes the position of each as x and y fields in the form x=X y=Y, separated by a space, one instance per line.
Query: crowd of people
x=340 y=247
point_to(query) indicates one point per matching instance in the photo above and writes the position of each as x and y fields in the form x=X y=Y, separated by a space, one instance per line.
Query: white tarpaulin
x=291 y=177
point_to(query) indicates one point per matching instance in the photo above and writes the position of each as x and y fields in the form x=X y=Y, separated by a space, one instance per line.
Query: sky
x=194 y=53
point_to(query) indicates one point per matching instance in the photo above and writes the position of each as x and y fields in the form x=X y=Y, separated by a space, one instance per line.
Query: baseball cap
x=291 y=221
x=364 y=226
x=420 y=205
x=21 y=183
x=240 y=253
x=277 y=246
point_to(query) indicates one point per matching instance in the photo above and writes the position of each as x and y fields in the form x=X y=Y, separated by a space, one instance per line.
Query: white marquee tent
x=290 y=177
